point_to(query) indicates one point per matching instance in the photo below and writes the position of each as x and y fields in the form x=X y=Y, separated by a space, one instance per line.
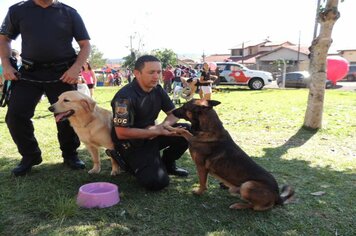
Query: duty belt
x=29 y=64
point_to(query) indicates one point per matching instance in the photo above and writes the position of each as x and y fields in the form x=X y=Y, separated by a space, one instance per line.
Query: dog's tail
x=286 y=195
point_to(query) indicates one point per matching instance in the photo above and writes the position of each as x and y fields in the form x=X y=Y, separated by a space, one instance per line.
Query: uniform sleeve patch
x=122 y=114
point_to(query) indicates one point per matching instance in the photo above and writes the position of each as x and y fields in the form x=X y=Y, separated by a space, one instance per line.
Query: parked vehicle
x=232 y=73
x=298 y=79
x=351 y=75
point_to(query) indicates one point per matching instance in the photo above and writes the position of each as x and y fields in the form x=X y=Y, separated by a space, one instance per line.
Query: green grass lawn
x=266 y=124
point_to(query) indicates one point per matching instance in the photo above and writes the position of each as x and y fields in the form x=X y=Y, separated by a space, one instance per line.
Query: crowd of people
x=117 y=77
x=51 y=66
x=180 y=77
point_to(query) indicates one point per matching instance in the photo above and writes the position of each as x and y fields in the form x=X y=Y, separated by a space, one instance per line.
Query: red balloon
x=337 y=68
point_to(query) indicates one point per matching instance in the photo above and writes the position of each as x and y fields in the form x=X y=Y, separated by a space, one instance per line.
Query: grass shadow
x=297 y=140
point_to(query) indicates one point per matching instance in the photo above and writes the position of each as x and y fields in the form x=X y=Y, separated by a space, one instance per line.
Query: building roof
x=217 y=57
x=263 y=43
x=250 y=43
x=275 y=43
x=303 y=50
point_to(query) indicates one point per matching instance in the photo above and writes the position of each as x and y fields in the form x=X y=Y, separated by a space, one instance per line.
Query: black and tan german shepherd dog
x=214 y=152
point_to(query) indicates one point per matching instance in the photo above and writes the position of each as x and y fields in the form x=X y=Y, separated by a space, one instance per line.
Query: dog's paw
x=94 y=171
x=198 y=191
x=234 y=191
x=241 y=206
x=183 y=132
x=115 y=172
x=180 y=131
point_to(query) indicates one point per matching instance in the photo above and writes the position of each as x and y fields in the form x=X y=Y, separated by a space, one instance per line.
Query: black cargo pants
x=143 y=157
x=24 y=98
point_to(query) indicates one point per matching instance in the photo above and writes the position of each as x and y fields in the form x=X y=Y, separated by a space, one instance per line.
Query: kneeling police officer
x=137 y=138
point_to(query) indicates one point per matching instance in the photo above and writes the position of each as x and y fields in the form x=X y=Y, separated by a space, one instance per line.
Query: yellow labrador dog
x=91 y=123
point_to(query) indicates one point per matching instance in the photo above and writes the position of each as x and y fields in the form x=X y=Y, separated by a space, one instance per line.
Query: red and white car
x=231 y=73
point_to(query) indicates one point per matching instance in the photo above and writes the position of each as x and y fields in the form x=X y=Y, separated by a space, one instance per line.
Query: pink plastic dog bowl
x=99 y=194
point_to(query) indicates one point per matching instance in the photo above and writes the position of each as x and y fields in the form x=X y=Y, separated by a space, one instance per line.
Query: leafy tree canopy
x=167 y=57
x=96 y=58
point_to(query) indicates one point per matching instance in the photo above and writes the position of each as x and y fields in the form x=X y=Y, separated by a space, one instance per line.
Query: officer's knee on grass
x=153 y=181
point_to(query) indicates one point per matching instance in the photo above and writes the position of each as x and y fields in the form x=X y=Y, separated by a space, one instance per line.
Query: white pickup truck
x=232 y=73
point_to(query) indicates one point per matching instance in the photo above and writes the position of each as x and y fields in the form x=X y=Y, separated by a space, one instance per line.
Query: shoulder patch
x=121 y=107
x=122 y=116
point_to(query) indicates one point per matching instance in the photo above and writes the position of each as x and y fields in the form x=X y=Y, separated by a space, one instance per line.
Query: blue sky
x=197 y=26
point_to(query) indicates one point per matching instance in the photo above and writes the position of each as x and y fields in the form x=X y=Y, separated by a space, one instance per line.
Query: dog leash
x=6 y=91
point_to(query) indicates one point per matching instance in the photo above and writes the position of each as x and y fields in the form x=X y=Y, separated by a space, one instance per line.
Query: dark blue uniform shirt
x=133 y=107
x=47 y=33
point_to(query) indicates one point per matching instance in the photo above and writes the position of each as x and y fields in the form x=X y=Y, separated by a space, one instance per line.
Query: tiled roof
x=275 y=43
x=217 y=57
x=250 y=43
x=303 y=50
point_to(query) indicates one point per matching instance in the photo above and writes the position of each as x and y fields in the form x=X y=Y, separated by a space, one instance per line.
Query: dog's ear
x=206 y=103
x=88 y=105
x=213 y=103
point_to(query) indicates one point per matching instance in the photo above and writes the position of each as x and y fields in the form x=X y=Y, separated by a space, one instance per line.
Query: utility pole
x=298 y=51
x=131 y=49
x=284 y=73
x=131 y=43
x=316 y=20
x=243 y=52
x=203 y=56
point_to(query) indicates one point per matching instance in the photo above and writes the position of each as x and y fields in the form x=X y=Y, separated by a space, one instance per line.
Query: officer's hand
x=161 y=130
x=71 y=75
x=10 y=73
x=179 y=131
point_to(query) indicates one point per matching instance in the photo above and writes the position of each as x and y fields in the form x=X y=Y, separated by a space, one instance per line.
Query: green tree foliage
x=96 y=58
x=129 y=61
x=167 y=56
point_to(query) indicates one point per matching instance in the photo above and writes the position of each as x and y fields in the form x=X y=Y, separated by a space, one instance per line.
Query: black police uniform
x=135 y=108
x=47 y=52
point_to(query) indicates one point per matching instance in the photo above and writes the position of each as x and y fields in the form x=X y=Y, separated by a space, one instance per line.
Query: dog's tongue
x=61 y=116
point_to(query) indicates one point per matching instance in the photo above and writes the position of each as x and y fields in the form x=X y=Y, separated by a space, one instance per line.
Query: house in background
x=185 y=62
x=273 y=56
x=267 y=55
x=349 y=54
x=217 y=57
x=293 y=57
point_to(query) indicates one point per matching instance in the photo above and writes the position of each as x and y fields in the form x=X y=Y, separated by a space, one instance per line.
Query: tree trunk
x=318 y=53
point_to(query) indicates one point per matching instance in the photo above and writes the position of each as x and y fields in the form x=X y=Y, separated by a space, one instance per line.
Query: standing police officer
x=136 y=136
x=49 y=66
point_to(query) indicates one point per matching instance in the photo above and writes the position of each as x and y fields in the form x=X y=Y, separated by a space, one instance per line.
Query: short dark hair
x=140 y=62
